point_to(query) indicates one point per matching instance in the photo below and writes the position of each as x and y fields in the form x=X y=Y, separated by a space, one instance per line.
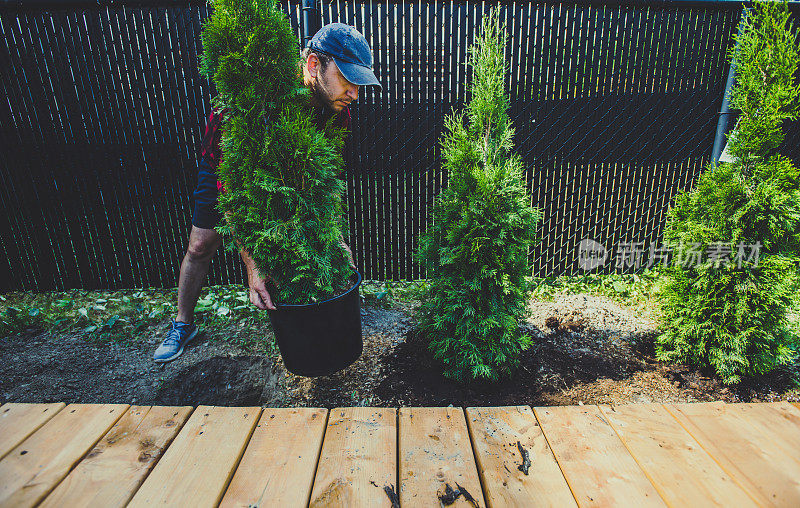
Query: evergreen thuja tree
x=729 y=312
x=483 y=226
x=283 y=195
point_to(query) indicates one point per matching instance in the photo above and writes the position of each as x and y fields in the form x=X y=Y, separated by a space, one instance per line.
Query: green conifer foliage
x=483 y=226
x=283 y=194
x=732 y=316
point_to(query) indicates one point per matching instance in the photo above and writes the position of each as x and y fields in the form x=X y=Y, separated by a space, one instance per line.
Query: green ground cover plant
x=133 y=314
x=283 y=195
x=734 y=316
x=126 y=316
x=483 y=225
x=632 y=289
x=386 y=294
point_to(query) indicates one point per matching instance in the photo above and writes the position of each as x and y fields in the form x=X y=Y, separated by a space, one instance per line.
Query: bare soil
x=54 y=368
x=587 y=350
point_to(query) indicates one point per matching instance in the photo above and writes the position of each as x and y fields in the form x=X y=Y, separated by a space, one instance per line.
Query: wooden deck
x=635 y=455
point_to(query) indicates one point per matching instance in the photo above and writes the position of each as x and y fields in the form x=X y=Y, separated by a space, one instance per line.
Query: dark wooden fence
x=615 y=107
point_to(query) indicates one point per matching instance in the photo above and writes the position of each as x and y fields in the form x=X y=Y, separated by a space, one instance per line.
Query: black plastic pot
x=320 y=338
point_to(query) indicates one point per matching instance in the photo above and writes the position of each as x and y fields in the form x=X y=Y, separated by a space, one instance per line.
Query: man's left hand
x=349 y=254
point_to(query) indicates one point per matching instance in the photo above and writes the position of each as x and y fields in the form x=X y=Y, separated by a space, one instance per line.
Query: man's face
x=330 y=87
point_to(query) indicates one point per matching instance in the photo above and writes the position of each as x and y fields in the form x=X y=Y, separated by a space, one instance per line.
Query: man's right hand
x=259 y=295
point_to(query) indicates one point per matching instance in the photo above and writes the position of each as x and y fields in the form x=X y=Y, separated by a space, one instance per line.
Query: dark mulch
x=562 y=369
x=413 y=377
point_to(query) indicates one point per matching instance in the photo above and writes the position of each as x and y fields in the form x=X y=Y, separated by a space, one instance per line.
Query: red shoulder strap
x=209 y=147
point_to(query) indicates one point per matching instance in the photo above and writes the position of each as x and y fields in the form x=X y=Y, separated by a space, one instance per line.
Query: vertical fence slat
x=140 y=133
x=42 y=214
x=16 y=244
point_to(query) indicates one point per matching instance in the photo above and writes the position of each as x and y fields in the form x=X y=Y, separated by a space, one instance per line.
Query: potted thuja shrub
x=283 y=198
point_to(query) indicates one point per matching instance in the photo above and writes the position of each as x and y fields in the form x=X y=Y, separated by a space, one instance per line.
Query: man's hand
x=259 y=295
x=349 y=253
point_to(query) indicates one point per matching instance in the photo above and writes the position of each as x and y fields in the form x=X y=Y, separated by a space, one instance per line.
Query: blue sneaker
x=177 y=337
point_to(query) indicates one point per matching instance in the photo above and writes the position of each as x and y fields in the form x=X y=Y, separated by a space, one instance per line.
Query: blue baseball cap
x=349 y=49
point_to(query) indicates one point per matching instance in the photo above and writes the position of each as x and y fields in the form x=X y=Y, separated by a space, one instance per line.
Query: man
x=336 y=62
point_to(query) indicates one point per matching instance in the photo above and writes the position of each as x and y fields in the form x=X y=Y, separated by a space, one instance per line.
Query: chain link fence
x=615 y=108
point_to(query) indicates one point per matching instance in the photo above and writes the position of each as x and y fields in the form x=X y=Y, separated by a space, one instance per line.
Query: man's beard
x=320 y=91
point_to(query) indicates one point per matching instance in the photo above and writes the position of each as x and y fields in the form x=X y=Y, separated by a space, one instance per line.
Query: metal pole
x=312 y=20
x=723 y=124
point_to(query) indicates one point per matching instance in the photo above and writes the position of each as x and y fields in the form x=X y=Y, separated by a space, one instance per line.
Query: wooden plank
x=495 y=432
x=680 y=470
x=779 y=421
x=434 y=452
x=595 y=463
x=119 y=463
x=759 y=464
x=796 y=404
x=358 y=458
x=18 y=421
x=34 y=467
x=196 y=468
x=277 y=468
